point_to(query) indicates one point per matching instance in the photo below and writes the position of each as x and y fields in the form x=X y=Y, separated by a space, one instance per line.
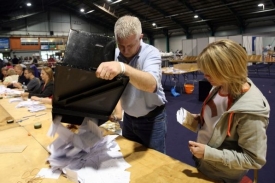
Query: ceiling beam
x=93 y=17
x=141 y=17
x=189 y=6
x=165 y=14
x=236 y=16
x=20 y=17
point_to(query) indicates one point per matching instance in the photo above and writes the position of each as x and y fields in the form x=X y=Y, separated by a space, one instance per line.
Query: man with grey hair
x=143 y=100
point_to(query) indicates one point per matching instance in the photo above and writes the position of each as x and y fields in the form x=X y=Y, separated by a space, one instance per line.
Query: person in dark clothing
x=35 y=62
x=2 y=64
x=4 y=73
x=15 y=60
x=34 y=83
x=46 y=87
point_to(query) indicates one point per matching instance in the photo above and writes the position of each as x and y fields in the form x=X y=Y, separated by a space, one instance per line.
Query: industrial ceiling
x=169 y=16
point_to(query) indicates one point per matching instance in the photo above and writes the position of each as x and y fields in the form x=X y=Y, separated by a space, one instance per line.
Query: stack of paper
x=87 y=156
x=27 y=103
x=10 y=92
x=36 y=108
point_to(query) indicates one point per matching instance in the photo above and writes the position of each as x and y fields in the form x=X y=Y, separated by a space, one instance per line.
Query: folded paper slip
x=186 y=119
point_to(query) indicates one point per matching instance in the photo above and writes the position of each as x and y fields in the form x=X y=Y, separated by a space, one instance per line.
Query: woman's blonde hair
x=49 y=72
x=11 y=72
x=127 y=26
x=226 y=61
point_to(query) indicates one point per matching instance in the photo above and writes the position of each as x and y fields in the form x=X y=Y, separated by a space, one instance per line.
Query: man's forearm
x=141 y=80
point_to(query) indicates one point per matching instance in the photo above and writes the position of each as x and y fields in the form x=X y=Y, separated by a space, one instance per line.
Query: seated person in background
x=22 y=80
x=36 y=72
x=51 y=61
x=15 y=60
x=34 y=83
x=11 y=78
x=9 y=65
x=4 y=72
x=234 y=117
x=46 y=87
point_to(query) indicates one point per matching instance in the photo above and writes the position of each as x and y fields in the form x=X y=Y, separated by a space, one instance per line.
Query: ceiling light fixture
x=154 y=24
x=261 y=5
x=29 y=4
x=196 y=16
x=82 y=10
x=90 y=11
x=116 y=2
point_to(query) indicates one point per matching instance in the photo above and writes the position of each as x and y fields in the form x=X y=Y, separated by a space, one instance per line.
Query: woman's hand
x=196 y=116
x=35 y=98
x=197 y=149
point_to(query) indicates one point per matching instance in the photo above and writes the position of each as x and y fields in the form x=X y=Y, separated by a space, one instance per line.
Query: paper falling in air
x=87 y=156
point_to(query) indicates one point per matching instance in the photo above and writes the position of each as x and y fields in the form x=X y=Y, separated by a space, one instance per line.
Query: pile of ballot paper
x=87 y=156
x=33 y=106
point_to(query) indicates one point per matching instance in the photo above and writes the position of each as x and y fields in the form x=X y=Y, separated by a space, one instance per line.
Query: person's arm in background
x=117 y=113
x=17 y=85
x=43 y=100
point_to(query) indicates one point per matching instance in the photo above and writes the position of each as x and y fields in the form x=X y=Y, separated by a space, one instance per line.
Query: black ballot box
x=204 y=88
x=78 y=93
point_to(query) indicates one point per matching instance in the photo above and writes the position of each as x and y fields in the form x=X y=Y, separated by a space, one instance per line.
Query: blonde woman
x=12 y=77
x=234 y=117
x=46 y=87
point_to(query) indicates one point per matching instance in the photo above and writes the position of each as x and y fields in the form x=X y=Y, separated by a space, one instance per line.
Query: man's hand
x=108 y=70
x=197 y=149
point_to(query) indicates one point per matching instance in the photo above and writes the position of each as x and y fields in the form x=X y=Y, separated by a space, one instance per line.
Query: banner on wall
x=4 y=43
x=44 y=47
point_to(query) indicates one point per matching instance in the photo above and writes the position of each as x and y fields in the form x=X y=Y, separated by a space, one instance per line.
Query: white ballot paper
x=87 y=156
x=186 y=119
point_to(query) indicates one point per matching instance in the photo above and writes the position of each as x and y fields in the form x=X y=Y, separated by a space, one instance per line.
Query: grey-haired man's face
x=129 y=46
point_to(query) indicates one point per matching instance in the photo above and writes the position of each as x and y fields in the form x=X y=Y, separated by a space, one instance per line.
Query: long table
x=147 y=165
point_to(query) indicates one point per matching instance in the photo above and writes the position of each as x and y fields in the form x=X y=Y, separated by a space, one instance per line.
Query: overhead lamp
x=196 y=16
x=261 y=5
x=29 y=4
x=116 y=2
x=154 y=24
x=82 y=10
x=90 y=11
